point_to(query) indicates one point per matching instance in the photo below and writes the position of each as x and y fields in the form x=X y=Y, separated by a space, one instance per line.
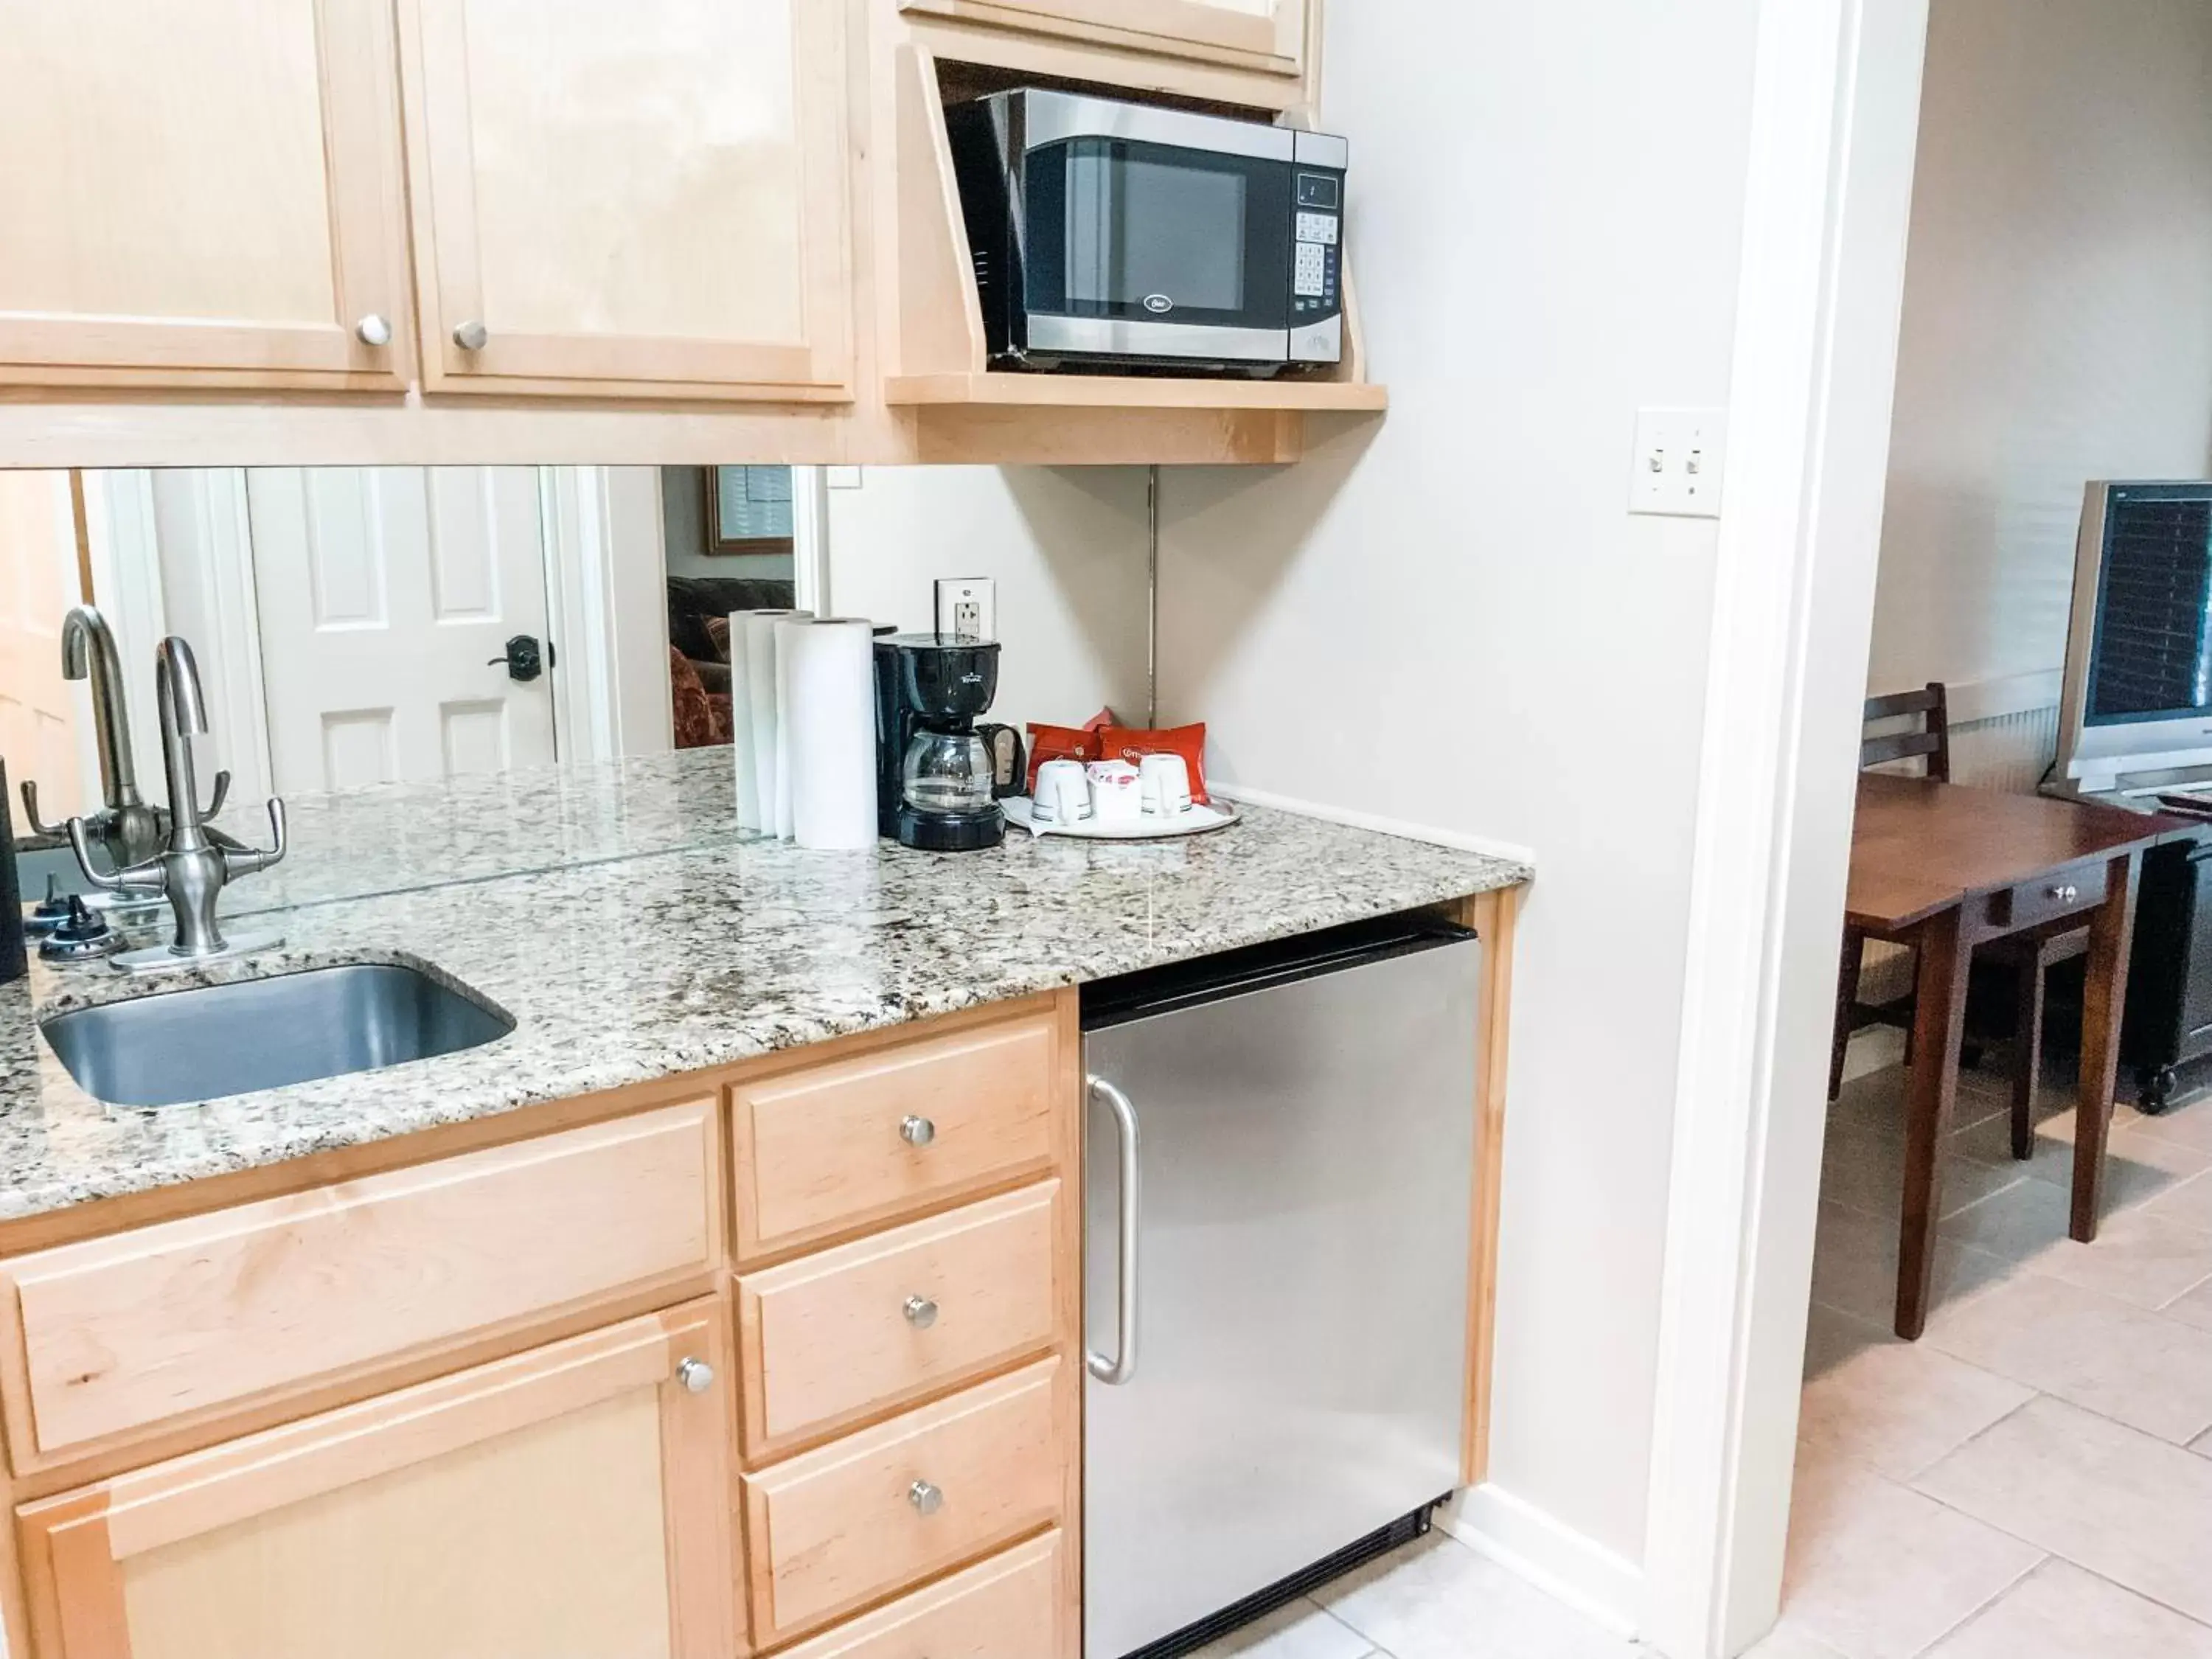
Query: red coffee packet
x=1128 y=743
x=1059 y=743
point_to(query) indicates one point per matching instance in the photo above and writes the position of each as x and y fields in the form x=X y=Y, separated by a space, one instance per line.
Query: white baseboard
x=1602 y=1586
x=1382 y=826
x=1994 y=698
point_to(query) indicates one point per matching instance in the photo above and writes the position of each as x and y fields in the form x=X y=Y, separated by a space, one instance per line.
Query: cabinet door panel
x=572 y=1502
x=648 y=198
x=1267 y=34
x=199 y=194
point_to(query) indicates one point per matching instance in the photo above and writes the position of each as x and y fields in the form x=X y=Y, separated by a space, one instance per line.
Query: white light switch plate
x=968 y=607
x=1681 y=462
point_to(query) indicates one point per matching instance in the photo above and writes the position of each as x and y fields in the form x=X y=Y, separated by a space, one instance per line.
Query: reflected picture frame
x=743 y=515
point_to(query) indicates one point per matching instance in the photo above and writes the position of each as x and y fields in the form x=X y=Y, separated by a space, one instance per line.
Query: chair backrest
x=1931 y=742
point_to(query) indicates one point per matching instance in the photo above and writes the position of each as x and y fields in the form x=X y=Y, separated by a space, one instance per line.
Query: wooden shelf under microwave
x=960 y=410
x=1132 y=391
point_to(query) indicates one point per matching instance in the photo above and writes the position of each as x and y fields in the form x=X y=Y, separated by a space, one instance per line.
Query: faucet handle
x=221 y=794
x=148 y=874
x=39 y=826
x=253 y=858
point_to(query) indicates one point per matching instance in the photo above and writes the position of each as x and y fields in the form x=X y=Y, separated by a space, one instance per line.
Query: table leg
x=1931 y=1087
x=2027 y=1057
x=2104 y=1000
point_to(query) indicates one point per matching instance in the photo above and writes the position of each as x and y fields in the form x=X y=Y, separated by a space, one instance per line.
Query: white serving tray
x=1196 y=822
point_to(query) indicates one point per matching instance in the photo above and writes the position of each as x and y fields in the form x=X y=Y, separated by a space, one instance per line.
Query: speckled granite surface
x=624 y=971
x=401 y=836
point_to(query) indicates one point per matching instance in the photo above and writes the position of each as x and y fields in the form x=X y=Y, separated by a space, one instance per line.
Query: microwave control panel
x=1316 y=272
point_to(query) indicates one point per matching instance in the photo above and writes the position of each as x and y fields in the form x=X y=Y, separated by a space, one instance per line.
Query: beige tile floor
x=2033 y=1480
x=1436 y=1599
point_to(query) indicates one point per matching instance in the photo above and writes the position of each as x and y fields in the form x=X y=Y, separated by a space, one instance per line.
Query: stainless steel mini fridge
x=1281 y=1179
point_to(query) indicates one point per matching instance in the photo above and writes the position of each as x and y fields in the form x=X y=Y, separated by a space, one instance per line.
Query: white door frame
x=1833 y=137
x=606 y=589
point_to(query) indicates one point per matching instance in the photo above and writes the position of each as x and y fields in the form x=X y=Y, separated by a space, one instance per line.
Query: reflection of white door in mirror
x=38 y=717
x=388 y=597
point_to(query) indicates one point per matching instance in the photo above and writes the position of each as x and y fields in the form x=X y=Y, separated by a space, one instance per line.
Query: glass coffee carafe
x=947 y=774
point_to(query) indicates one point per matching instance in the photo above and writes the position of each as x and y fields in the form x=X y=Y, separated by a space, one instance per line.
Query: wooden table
x=1945 y=868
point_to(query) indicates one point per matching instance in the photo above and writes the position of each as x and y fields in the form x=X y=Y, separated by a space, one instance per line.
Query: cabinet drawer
x=2074 y=891
x=124 y=1332
x=869 y=1514
x=830 y=1147
x=874 y=1323
x=1007 y=1608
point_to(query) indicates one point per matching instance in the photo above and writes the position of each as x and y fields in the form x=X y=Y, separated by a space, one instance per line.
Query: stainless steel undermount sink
x=216 y=1040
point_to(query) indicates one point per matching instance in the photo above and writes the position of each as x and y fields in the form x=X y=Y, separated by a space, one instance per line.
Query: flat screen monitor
x=2139 y=663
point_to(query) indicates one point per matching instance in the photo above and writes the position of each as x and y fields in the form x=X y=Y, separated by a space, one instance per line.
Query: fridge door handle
x=1121 y=1368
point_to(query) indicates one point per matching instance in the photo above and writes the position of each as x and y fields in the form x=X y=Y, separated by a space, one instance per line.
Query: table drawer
x=124 y=1332
x=830 y=1148
x=2073 y=891
x=1006 y=1608
x=874 y=1323
x=867 y=1516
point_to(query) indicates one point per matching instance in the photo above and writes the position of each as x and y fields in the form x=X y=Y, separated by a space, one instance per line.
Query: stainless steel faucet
x=126 y=829
x=195 y=864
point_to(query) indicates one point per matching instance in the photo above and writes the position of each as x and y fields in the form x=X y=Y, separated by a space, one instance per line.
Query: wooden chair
x=2032 y=955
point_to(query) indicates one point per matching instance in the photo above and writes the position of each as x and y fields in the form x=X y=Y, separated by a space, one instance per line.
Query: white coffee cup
x=1116 y=795
x=1163 y=784
x=1063 y=793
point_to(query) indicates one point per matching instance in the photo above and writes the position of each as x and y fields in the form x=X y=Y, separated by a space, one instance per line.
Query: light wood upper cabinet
x=644 y=199
x=205 y=194
x=572 y=1502
x=1261 y=34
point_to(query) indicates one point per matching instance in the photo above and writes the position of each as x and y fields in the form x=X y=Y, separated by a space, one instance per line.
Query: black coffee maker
x=934 y=769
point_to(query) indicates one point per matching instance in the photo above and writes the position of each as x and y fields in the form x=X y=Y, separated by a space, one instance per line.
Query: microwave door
x=1139 y=249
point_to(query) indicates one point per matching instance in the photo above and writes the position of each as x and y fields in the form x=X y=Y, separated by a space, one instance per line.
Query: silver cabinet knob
x=926 y=1498
x=372 y=330
x=917 y=1131
x=921 y=1312
x=471 y=335
x=696 y=1374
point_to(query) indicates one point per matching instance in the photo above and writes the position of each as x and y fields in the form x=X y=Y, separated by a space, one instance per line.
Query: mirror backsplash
x=393 y=650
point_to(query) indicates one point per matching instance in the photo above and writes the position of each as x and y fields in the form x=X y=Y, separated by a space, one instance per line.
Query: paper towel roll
x=761 y=679
x=828 y=670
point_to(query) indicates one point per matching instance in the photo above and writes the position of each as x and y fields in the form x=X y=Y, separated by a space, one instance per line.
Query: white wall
x=1449 y=619
x=1065 y=545
x=2057 y=319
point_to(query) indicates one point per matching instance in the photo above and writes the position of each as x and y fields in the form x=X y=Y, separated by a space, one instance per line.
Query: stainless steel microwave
x=1108 y=234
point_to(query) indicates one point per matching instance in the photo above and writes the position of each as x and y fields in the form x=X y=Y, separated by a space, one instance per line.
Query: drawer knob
x=917 y=1131
x=2066 y=894
x=926 y=1498
x=696 y=1374
x=471 y=335
x=921 y=1312
x=372 y=330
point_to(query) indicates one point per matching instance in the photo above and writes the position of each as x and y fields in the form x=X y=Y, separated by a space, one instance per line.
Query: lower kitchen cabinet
x=1007 y=1608
x=575 y=1502
x=834 y=1529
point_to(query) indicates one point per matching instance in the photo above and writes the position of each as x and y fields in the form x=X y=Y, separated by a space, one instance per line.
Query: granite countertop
x=636 y=965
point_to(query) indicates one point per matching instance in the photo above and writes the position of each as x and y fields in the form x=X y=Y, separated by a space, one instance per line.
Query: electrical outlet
x=968 y=607
x=1681 y=459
